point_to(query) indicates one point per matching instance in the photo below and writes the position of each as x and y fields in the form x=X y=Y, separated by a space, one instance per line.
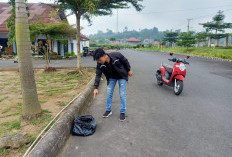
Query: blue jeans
x=122 y=91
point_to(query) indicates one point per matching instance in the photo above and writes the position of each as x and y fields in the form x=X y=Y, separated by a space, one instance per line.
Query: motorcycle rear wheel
x=160 y=83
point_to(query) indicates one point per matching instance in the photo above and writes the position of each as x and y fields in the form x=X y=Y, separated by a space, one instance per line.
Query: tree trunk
x=198 y=43
x=31 y=106
x=47 y=50
x=226 y=41
x=216 y=40
x=78 y=18
x=174 y=45
x=203 y=44
x=52 y=46
x=216 y=43
x=209 y=43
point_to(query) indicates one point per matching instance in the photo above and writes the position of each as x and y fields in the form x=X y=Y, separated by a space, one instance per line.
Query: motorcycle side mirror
x=171 y=53
x=188 y=57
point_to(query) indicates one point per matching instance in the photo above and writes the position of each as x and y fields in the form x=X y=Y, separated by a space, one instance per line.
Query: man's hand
x=95 y=93
x=130 y=73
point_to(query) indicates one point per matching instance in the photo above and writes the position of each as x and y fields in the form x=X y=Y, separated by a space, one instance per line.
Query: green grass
x=1 y=132
x=23 y=148
x=6 y=109
x=72 y=77
x=58 y=90
x=44 y=118
x=1 y=100
x=4 y=151
x=62 y=103
x=65 y=95
x=12 y=134
x=12 y=114
x=7 y=83
x=202 y=51
x=16 y=124
x=2 y=87
x=42 y=101
x=46 y=111
x=33 y=136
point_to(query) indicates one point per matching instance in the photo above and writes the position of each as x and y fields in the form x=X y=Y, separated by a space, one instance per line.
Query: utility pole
x=188 y=23
x=117 y=20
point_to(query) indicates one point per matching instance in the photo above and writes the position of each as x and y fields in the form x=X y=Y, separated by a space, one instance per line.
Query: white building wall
x=75 y=46
x=40 y=37
x=69 y=45
x=70 y=40
x=55 y=48
x=82 y=44
x=62 y=49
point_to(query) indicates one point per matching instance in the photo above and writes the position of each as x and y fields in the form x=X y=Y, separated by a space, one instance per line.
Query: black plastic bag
x=84 y=125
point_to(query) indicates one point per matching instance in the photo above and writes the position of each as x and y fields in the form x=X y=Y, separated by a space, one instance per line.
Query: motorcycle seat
x=168 y=68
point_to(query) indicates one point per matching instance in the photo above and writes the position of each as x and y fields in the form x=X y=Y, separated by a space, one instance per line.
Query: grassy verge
x=55 y=90
x=203 y=51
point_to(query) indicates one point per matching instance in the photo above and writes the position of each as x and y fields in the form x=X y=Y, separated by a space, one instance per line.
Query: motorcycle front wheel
x=178 y=87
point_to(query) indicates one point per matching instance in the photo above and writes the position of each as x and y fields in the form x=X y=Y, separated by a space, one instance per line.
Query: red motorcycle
x=173 y=76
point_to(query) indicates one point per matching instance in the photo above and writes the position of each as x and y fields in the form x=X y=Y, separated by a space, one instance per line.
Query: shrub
x=54 y=55
x=73 y=54
x=150 y=45
x=66 y=54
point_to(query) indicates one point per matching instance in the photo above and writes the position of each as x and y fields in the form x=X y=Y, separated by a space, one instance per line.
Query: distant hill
x=102 y=37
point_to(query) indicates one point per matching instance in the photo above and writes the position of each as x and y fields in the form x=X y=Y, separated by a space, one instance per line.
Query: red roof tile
x=84 y=37
x=38 y=11
x=41 y=10
x=133 y=39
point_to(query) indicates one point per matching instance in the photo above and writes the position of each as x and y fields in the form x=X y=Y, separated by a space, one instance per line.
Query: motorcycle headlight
x=181 y=67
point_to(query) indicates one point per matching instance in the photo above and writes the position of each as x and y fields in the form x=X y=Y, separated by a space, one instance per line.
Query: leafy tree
x=10 y=23
x=112 y=39
x=88 y=8
x=201 y=37
x=217 y=25
x=170 y=37
x=186 y=39
x=142 y=34
x=31 y=106
x=52 y=31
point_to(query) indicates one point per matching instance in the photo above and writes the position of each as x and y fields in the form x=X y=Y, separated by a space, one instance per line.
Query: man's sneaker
x=122 y=117
x=107 y=114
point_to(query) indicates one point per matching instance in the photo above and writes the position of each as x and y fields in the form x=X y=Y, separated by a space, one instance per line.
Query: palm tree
x=31 y=106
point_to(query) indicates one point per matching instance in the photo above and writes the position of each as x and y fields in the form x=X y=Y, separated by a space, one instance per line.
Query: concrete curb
x=36 y=68
x=55 y=138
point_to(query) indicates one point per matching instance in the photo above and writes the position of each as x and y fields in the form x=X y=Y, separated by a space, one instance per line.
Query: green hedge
x=225 y=53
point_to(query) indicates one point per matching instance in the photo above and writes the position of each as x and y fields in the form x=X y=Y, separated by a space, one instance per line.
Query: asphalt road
x=160 y=124
x=86 y=61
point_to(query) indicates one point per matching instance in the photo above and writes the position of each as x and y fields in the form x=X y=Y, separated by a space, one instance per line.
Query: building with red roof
x=133 y=41
x=47 y=14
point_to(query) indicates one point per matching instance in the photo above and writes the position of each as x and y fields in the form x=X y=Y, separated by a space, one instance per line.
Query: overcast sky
x=163 y=14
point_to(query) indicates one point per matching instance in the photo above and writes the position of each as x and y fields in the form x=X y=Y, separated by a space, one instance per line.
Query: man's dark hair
x=98 y=53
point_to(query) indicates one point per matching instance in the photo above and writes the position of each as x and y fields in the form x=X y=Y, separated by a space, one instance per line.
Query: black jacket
x=120 y=64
